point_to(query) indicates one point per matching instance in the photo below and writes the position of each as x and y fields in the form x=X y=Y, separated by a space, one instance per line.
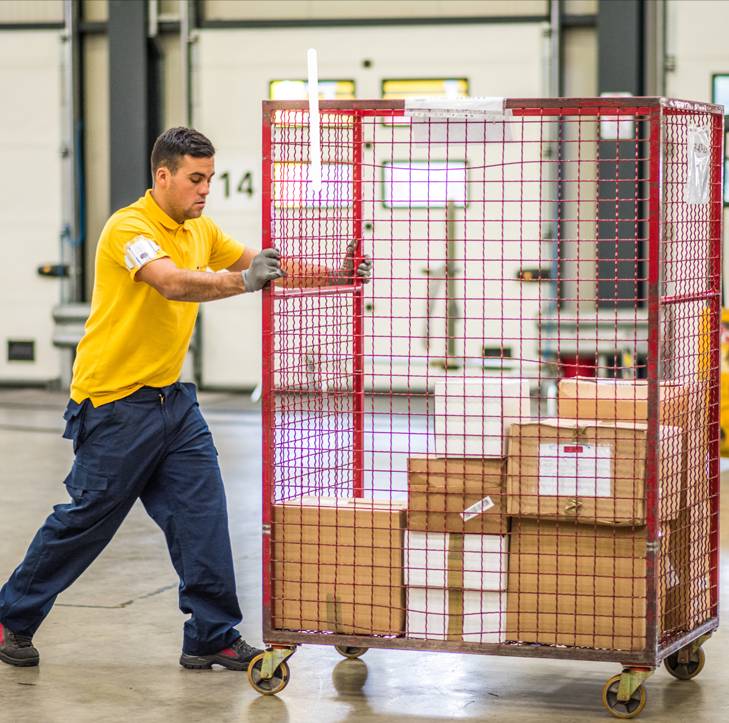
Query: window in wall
x=720 y=90
x=399 y=88
x=292 y=189
x=396 y=88
x=424 y=184
x=298 y=90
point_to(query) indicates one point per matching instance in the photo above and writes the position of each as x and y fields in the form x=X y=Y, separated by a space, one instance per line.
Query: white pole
x=314 y=135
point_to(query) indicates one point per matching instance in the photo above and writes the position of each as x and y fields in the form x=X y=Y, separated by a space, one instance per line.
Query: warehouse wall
x=697 y=48
x=254 y=10
x=231 y=351
x=578 y=253
x=31 y=11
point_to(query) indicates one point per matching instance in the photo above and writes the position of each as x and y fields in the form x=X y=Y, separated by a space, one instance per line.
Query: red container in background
x=578 y=365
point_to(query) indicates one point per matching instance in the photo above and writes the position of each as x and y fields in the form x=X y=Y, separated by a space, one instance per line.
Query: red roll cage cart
x=507 y=442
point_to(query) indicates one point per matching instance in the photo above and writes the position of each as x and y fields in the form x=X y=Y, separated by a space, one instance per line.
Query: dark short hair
x=174 y=143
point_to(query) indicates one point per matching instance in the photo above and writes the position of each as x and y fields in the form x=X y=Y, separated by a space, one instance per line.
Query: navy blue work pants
x=153 y=445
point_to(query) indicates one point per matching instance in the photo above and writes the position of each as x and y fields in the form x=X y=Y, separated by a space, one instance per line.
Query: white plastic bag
x=697 y=182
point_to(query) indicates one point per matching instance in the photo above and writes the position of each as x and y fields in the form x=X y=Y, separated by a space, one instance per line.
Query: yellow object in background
x=724 y=387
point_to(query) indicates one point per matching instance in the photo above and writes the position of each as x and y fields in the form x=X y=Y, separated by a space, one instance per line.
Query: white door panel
x=30 y=189
x=233 y=69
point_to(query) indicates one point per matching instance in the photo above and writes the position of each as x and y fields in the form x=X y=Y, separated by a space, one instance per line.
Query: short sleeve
x=225 y=251
x=131 y=244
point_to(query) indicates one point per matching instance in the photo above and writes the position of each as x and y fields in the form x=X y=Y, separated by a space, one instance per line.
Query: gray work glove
x=344 y=274
x=265 y=267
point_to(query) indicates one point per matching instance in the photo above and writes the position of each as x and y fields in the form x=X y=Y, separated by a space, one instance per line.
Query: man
x=137 y=431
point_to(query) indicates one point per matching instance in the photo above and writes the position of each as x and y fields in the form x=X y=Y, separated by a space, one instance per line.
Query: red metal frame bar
x=267 y=398
x=717 y=210
x=357 y=311
x=655 y=235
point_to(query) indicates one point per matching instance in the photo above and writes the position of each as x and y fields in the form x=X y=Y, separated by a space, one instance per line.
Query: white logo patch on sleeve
x=139 y=251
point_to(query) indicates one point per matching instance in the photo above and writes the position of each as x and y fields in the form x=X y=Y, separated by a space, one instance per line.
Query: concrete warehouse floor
x=109 y=649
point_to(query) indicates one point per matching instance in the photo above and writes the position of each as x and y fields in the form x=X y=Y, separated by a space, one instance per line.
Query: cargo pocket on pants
x=81 y=481
x=74 y=416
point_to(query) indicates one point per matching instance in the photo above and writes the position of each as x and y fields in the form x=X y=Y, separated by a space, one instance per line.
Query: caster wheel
x=349 y=651
x=267 y=686
x=622 y=709
x=688 y=670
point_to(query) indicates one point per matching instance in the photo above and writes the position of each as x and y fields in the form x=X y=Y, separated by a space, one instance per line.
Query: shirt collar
x=152 y=207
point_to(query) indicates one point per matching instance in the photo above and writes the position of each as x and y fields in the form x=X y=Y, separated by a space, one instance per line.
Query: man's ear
x=162 y=176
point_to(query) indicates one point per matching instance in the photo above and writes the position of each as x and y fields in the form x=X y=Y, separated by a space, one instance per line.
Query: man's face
x=185 y=191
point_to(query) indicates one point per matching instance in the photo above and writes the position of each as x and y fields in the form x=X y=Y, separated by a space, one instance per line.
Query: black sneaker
x=17 y=649
x=236 y=657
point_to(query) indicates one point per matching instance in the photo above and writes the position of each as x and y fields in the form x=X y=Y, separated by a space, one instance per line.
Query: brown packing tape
x=455 y=561
x=334 y=613
x=455 y=614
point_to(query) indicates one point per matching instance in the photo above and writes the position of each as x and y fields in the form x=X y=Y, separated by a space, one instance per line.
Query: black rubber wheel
x=269 y=686
x=685 y=671
x=622 y=709
x=351 y=652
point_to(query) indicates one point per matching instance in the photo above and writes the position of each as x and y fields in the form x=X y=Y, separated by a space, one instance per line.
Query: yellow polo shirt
x=134 y=336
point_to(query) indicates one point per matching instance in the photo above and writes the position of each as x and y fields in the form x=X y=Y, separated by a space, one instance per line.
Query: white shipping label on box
x=575 y=470
x=477 y=509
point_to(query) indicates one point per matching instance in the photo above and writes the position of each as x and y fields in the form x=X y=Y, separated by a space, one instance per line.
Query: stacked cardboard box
x=472 y=416
x=627 y=400
x=589 y=471
x=577 y=585
x=687 y=407
x=455 y=586
x=456 y=549
x=450 y=494
x=338 y=566
x=576 y=489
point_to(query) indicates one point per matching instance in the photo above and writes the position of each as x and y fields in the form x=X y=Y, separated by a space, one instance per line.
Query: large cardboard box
x=440 y=559
x=680 y=405
x=577 y=585
x=459 y=495
x=337 y=566
x=472 y=416
x=475 y=616
x=590 y=471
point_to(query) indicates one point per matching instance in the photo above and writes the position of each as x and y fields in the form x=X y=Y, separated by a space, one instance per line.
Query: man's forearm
x=204 y=285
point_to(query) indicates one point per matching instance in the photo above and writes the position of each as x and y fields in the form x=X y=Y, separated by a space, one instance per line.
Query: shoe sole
x=194 y=662
x=19 y=662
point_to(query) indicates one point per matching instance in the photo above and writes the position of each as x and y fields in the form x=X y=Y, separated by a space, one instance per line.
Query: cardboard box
x=589 y=471
x=475 y=616
x=459 y=495
x=576 y=585
x=680 y=405
x=700 y=448
x=337 y=566
x=623 y=400
x=472 y=416
x=691 y=558
x=441 y=559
